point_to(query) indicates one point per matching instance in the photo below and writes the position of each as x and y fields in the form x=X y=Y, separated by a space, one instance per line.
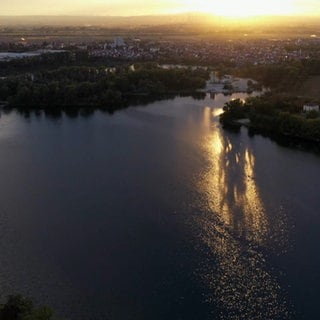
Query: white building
x=82 y=47
x=214 y=78
x=310 y=107
x=118 y=42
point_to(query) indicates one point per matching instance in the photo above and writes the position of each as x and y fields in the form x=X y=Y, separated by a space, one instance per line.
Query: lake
x=156 y=212
x=6 y=56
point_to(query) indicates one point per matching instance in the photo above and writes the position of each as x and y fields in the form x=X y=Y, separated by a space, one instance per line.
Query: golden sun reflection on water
x=217 y=112
x=231 y=188
x=234 y=228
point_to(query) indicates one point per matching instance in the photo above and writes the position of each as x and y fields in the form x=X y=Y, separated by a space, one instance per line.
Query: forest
x=280 y=110
x=104 y=87
x=281 y=77
x=275 y=115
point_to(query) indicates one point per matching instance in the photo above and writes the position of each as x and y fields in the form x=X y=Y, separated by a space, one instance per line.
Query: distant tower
x=214 y=77
x=118 y=42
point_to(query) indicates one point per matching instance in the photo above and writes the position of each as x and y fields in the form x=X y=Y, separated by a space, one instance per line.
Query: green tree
x=20 y=308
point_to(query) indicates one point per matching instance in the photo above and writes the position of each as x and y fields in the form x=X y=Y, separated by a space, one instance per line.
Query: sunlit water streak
x=234 y=228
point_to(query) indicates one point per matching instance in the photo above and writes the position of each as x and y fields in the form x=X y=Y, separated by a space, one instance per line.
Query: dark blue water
x=157 y=213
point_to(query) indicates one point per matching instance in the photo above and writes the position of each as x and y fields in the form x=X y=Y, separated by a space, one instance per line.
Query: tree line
x=285 y=76
x=273 y=114
x=96 y=87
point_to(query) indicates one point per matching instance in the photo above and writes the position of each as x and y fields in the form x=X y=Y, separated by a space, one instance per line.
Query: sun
x=242 y=8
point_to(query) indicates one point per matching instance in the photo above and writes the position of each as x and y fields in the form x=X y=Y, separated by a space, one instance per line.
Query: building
x=214 y=77
x=310 y=107
x=118 y=42
x=82 y=47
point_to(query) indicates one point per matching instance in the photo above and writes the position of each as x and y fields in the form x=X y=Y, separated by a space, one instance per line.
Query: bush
x=20 y=308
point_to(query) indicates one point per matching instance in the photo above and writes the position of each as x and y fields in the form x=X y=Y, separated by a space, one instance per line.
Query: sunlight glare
x=244 y=8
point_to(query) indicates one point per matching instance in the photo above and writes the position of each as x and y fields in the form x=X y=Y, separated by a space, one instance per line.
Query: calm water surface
x=157 y=213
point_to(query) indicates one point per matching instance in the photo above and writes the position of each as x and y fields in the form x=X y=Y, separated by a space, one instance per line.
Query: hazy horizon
x=188 y=18
x=124 y=8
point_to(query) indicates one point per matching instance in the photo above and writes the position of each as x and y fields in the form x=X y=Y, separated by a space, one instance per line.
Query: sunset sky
x=142 y=7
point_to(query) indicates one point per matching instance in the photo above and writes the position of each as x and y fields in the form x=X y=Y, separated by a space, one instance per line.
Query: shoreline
x=235 y=125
